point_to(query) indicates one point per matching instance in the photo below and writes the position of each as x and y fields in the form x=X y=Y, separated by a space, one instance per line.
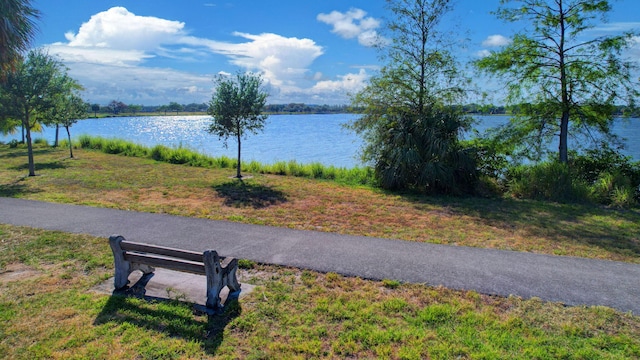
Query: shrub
x=317 y=170
x=279 y=168
x=610 y=185
x=180 y=156
x=550 y=180
x=607 y=169
x=160 y=153
x=114 y=146
x=224 y=162
x=253 y=167
x=13 y=144
x=40 y=141
x=622 y=197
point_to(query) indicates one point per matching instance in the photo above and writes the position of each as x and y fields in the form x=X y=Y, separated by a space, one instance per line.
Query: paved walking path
x=573 y=281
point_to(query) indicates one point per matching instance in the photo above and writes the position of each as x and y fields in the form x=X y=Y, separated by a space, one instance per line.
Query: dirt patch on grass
x=18 y=272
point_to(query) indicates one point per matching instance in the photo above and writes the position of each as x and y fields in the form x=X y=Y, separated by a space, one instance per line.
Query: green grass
x=144 y=184
x=50 y=311
x=185 y=156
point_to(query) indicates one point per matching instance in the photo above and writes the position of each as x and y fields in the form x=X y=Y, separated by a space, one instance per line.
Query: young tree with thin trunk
x=67 y=106
x=564 y=80
x=236 y=107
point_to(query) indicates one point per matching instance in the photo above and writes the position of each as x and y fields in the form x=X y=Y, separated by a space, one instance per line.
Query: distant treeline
x=122 y=109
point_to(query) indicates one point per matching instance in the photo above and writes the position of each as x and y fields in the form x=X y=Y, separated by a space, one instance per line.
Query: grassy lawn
x=48 y=309
x=121 y=182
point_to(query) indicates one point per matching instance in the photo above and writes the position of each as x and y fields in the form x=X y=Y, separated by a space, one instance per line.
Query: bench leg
x=122 y=267
x=219 y=276
x=213 y=270
x=230 y=266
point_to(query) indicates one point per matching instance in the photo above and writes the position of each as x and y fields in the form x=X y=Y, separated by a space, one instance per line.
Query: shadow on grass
x=169 y=318
x=613 y=230
x=22 y=152
x=52 y=165
x=239 y=193
x=15 y=189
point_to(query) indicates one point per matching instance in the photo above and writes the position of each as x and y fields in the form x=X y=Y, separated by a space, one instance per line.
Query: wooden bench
x=130 y=256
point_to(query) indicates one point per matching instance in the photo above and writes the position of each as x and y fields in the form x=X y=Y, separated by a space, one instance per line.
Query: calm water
x=304 y=138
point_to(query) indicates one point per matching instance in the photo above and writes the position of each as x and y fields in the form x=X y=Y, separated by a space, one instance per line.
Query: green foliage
x=17 y=29
x=594 y=162
x=546 y=181
x=600 y=176
x=236 y=108
x=246 y=264
x=421 y=152
x=411 y=134
x=40 y=141
x=560 y=82
x=31 y=91
x=390 y=284
x=184 y=156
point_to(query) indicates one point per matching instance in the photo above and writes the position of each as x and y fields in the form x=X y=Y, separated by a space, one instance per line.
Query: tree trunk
x=27 y=128
x=70 y=146
x=55 y=143
x=564 y=130
x=566 y=102
x=239 y=176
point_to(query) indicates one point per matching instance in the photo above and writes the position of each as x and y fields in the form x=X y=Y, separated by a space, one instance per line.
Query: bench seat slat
x=163 y=262
x=161 y=250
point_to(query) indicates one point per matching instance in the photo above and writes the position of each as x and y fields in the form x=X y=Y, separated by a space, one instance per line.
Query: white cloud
x=141 y=85
x=111 y=52
x=353 y=24
x=616 y=27
x=117 y=28
x=283 y=61
x=118 y=37
x=496 y=41
x=483 y=53
x=349 y=83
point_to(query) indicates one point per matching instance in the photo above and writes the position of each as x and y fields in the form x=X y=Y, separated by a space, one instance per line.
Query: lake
x=304 y=138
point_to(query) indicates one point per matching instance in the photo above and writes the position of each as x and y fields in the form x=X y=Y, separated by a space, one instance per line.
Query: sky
x=152 y=52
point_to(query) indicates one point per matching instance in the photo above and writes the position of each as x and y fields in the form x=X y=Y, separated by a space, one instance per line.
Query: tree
x=29 y=91
x=17 y=30
x=236 y=108
x=134 y=108
x=174 y=106
x=116 y=107
x=408 y=124
x=67 y=107
x=559 y=80
x=95 y=108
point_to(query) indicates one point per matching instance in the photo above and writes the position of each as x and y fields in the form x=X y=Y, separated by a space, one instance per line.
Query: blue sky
x=152 y=52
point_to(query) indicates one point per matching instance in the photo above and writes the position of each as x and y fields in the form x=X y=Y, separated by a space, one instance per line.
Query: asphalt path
x=572 y=281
